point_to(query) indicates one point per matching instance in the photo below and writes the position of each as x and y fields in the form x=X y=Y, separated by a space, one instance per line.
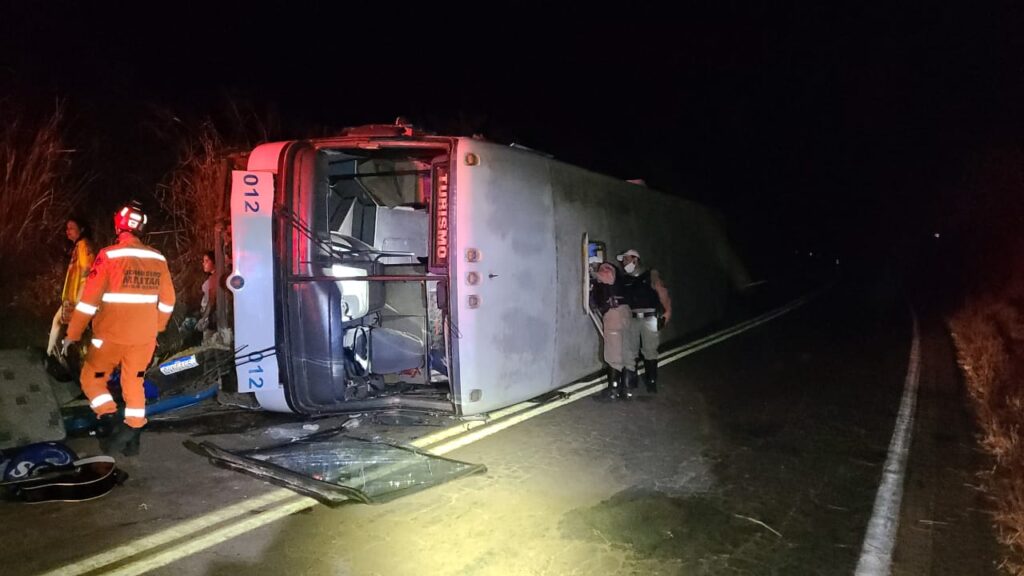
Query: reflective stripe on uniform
x=136 y=252
x=97 y=342
x=130 y=298
x=101 y=400
x=85 y=308
x=134 y=412
x=165 y=307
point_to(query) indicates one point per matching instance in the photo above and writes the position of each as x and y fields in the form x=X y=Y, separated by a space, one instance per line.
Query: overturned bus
x=388 y=268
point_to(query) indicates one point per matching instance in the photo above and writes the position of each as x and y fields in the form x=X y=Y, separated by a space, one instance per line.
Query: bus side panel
x=505 y=324
x=584 y=202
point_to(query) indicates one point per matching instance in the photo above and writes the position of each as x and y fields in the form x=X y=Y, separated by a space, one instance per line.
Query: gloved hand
x=65 y=344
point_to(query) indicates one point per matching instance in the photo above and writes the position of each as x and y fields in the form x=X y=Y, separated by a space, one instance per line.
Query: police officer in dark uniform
x=650 y=307
x=608 y=298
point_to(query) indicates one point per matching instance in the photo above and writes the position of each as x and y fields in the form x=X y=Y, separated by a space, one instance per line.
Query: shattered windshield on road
x=333 y=468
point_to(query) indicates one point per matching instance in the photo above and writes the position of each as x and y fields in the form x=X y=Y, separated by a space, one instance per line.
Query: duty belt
x=644 y=313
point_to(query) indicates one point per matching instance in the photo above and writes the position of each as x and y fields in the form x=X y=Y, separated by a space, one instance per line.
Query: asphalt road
x=760 y=455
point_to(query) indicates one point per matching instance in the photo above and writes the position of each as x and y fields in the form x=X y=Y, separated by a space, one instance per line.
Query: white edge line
x=499 y=421
x=880 y=539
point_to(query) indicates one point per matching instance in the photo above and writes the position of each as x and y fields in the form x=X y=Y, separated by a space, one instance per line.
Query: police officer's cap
x=629 y=252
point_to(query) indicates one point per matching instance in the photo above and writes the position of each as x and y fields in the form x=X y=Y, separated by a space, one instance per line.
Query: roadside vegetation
x=988 y=332
x=193 y=204
x=989 y=336
x=180 y=169
x=39 y=188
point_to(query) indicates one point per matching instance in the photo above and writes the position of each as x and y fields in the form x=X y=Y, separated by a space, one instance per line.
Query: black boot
x=125 y=440
x=626 y=384
x=133 y=446
x=651 y=375
x=106 y=425
x=611 y=392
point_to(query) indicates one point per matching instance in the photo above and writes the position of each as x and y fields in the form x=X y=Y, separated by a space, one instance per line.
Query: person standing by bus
x=83 y=251
x=207 y=323
x=651 y=309
x=128 y=298
x=619 y=346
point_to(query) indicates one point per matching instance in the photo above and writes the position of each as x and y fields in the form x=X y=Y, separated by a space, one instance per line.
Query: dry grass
x=35 y=192
x=989 y=336
x=38 y=190
x=195 y=201
x=192 y=199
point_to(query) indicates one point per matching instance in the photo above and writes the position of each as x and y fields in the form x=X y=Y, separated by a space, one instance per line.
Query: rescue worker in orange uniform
x=129 y=298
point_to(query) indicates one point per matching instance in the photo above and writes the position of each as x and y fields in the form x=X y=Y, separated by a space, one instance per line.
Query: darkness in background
x=854 y=133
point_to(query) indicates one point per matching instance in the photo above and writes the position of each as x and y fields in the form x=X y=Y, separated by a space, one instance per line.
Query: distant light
x=837 y=261
x=810 y=253
x=936 y=234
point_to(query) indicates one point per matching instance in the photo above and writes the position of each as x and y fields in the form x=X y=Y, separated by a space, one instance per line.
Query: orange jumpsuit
x=129 y=298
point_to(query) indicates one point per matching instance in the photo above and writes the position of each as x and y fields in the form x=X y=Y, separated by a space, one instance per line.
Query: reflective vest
x=128 y=296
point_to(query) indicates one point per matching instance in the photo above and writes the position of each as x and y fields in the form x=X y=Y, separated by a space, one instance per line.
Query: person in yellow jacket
x=129 y=298
x=82 y=254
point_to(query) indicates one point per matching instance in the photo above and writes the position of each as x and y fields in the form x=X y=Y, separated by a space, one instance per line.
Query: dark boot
x=106 y=425
x=125 y=440
x=134 y=444
x=612 y=391
x=651 y=375
x=626 y=384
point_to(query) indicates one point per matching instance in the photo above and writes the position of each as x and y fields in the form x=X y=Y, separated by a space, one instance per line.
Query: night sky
x=849 y=130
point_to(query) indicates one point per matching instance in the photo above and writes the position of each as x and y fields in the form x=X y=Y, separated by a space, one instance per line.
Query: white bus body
x=389 y=269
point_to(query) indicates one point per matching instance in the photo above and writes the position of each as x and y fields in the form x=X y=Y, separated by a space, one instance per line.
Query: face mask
x=630 y=267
